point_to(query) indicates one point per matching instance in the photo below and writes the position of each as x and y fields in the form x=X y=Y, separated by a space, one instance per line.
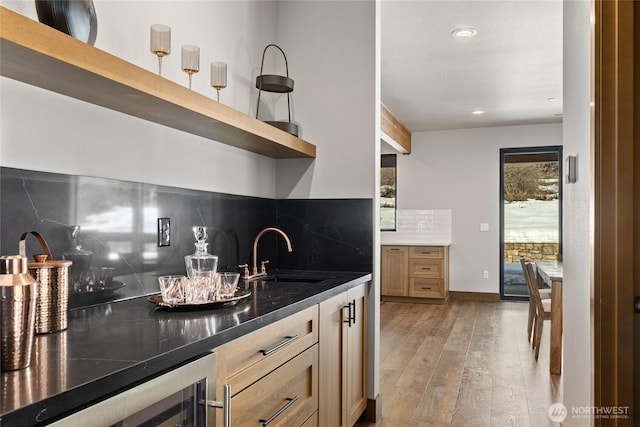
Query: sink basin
x=294 y=278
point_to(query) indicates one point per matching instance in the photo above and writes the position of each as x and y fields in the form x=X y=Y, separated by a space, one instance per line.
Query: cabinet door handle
x=290 y=401
x=351 y=318
x=289 y=339
x=225 y=405
x=348 y=306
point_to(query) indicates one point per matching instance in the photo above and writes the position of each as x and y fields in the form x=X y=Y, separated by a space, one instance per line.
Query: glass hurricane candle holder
x=190 y=60
x=160 y=43
x=218 y=77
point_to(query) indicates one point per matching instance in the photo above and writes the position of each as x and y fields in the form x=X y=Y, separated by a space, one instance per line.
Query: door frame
x=616 y=163
x=526 y=150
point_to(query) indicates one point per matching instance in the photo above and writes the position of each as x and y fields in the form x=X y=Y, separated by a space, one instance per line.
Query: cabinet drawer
x=426 y=267
x=426 y=252
x=287 y=396
x=247 y=359
x=427 y=288
x=312 y=421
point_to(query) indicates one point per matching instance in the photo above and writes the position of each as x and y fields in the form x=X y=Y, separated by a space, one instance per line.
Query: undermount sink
x=293 y=278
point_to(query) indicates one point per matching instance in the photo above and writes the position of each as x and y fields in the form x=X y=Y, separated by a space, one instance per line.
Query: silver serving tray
x=223 y=302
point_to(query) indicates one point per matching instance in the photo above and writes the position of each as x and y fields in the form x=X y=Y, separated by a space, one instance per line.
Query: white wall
x=49 y=132
x=460 y=170
x=331 y=51
x=330 y=47
x=577 y=372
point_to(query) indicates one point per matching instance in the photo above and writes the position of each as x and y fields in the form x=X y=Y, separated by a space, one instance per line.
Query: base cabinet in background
x=413 y=272
x=342 y=388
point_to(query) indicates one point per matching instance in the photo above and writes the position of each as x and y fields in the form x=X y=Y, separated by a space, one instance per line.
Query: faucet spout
x=254 y=271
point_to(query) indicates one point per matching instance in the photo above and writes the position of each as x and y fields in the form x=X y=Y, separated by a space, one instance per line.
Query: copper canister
x=52 y=305
x=18 y=294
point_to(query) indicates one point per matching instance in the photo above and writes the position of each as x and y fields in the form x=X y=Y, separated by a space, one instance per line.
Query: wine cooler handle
x=225 y=405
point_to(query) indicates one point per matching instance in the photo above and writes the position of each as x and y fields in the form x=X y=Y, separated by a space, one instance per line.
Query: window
x=388 y=192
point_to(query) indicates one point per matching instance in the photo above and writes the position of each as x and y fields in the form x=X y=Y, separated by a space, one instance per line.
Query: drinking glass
x=160 y=43
x=173 y=288
x=227 y=284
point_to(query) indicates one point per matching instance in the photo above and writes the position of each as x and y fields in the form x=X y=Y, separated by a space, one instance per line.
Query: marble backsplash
x=118 y=223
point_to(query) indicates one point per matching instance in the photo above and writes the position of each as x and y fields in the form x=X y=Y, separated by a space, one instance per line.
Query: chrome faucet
x=263 y=268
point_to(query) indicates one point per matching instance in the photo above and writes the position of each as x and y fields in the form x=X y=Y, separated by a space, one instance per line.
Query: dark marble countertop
x=109 y=347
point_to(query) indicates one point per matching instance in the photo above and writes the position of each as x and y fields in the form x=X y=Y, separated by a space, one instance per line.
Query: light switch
x=484 y=226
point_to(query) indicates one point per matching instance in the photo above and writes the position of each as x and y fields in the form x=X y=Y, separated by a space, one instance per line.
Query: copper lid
x=13 y=271
x=41 y=262
x=13 y=264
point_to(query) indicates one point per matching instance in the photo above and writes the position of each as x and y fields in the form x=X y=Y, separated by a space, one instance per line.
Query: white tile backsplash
x=420 y=227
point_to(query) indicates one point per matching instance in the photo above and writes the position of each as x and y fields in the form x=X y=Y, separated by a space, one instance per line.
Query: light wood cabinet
x=285 y=397
x=342 y=388
x=409 y=272
x=272 y=372
x=395 y=270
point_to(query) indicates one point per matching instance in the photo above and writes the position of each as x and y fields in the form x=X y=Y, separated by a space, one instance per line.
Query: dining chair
x=544 y=294
x=542 y=310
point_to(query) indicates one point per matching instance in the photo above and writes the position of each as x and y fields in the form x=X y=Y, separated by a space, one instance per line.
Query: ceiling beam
x=393 y=132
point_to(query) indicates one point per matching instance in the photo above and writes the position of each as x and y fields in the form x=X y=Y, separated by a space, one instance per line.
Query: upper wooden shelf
x=36 y=54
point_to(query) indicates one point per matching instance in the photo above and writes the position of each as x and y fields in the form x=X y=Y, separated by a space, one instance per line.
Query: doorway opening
x=530 y=212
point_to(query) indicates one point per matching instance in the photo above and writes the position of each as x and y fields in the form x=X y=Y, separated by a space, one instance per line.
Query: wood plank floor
x=466 y=363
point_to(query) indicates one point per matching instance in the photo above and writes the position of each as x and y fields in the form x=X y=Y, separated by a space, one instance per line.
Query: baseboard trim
x=415 y=300
x=475 y=296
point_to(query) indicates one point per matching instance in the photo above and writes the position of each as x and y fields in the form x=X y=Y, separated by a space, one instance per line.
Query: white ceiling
x=512 y=68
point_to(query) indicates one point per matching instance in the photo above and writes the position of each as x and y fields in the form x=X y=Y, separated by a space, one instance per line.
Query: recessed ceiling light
x=477 y=112
x=464 y=33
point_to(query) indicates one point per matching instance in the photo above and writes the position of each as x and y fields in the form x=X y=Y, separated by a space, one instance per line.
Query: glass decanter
x=201 y=269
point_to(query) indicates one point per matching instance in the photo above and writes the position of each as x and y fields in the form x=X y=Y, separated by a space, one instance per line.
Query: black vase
x=76 y=18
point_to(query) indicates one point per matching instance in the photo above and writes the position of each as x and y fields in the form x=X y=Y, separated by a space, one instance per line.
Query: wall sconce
x=572 y=169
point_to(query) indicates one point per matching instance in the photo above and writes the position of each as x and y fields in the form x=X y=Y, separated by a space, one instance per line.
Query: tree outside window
x=388 y=192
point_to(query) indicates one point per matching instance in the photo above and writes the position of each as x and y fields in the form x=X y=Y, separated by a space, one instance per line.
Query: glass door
x=530 y=212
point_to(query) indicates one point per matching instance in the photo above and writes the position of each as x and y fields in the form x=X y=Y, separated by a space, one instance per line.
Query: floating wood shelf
x=41 y=56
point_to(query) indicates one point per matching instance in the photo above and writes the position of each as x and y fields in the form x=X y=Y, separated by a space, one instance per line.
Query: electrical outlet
x=484 y=226
x=485 y=274
x=164 y=232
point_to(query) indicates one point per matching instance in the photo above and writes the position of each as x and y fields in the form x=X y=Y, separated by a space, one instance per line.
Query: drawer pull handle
x=289 y=339
x=426 y=268
x=426 y=287
x=426 y=253
x=225 y=405
x=290 y=401
x=394 y=249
